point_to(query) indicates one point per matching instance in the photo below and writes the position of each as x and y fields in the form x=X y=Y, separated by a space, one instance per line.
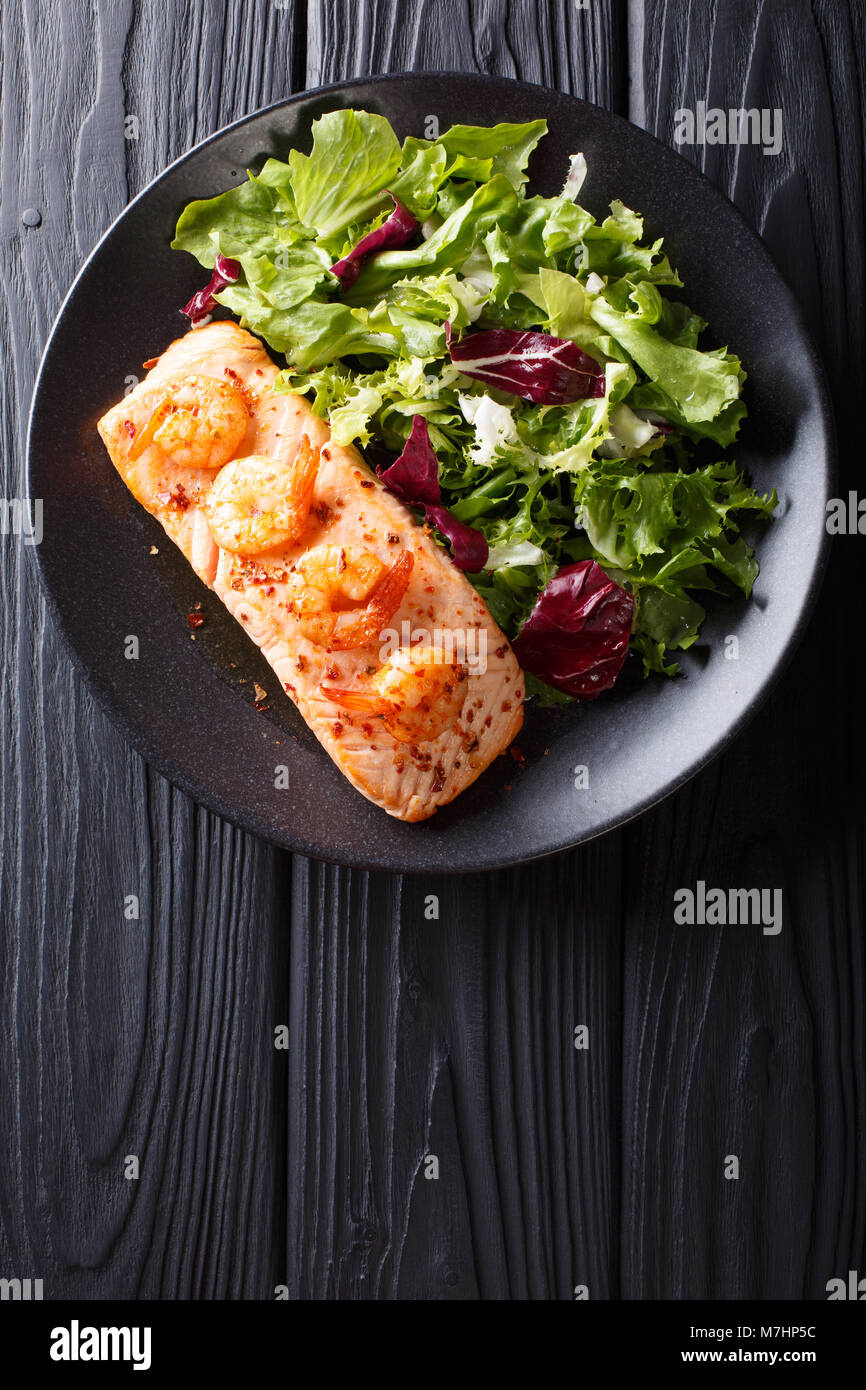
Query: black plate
x=182 y=704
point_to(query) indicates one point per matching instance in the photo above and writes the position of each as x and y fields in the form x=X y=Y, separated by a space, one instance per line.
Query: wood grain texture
x=735 y=1042
x=150 y=1037
x=414 y=1035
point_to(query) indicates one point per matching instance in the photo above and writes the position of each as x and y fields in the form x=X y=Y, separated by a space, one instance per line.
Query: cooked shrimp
x=196 y=421
x=343 y=596
x=418 y=694
x=257 y=504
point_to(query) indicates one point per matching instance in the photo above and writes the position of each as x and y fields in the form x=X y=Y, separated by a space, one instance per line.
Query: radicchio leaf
x=535 y=366
x=414 y=478
x=202 y=304
x=576 y=637
x=394 y=232
x=469 y=545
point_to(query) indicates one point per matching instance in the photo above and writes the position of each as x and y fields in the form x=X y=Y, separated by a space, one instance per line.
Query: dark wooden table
x=558 y=1167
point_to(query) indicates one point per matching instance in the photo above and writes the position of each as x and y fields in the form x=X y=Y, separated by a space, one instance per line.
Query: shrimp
x=196 y=421
x=418 y=694
x=258 y=504
x=343 y=596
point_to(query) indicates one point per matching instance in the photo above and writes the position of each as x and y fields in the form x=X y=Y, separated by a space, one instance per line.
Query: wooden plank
x=150 y=1037
x=736 y=1042
x=454 y=1037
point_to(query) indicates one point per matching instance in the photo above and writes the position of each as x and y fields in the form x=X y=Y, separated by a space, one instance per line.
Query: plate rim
x=294 y=843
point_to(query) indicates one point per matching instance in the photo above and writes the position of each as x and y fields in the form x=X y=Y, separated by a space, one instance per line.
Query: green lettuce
x=546 y=484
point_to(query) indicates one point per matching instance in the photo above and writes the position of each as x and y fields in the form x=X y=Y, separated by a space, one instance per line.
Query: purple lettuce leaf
x=535 y=366
x=469 y=545
x=393 y=233
x=225 y=272
x=576 y=637
x=414 y=478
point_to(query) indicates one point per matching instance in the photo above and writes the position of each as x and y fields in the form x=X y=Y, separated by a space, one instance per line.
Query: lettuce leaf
x=354 y=157
x=606 y=479
x=447 y=247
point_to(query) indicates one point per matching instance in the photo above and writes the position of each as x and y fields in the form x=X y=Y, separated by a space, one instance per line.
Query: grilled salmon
x=382 y=643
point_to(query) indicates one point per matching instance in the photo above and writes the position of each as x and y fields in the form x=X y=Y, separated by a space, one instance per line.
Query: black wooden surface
x=410 y=1036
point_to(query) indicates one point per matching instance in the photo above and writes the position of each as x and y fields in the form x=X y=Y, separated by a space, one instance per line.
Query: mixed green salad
x=562 y=392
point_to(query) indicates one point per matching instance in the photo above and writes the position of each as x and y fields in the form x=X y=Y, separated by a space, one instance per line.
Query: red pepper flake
x=259 y=371
x=518 y=755
x=365 y=482
x=332 y=672
x=488 y=721
x=429 y=589
x=505 y=706
x=501 y=651
x=399 y=764
x=290 y=689
x=261 y=705
x=195 y=619
x=301 y=663
x=338 y=729
x=151 y=362
x=243 y=391
x=367 y=729
x=393 y=538
x=130 y=428
x=326 y=455
x=438 y=778
x=470 y=715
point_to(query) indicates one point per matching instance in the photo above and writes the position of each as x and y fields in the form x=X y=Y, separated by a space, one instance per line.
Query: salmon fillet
x=350 y=508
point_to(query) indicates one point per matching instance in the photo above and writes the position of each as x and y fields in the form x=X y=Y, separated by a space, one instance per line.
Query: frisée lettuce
x=563 y=392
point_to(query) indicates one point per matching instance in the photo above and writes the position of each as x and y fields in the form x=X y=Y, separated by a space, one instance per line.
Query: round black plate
x=182 y=703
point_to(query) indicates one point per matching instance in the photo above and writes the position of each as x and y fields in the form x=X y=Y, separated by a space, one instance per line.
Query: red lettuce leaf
x=576 y=637
x=469 y=545
x=414 y=478
x=394 y=232
x=535 y=366
x=225 y=272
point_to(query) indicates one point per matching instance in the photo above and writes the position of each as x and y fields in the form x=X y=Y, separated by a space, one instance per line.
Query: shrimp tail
x=356 y=629
x=304 y=476
x=359 y=700
x=149 y=429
